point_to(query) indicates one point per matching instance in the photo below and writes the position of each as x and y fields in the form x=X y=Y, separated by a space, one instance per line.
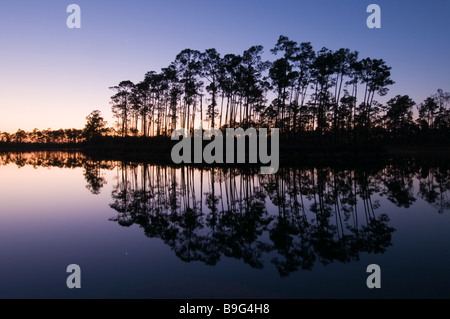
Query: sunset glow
x=52 y=76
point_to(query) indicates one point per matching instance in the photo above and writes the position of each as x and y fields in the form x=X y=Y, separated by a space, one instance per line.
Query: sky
x=53 y=77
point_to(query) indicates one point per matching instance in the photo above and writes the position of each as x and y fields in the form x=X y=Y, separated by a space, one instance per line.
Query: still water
x=149 y=231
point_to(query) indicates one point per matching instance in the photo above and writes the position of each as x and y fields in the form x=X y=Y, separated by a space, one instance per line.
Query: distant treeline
x=324 y=96
x=48 y=136
x=95 y=127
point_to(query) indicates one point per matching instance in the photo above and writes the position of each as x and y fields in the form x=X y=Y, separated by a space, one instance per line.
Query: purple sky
x=53 y=77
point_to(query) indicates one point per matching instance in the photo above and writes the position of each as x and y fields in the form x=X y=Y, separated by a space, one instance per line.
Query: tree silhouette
x=314 y=97
x=95 y=126
x=121 y=104
x=211 y=67
x=399 y=115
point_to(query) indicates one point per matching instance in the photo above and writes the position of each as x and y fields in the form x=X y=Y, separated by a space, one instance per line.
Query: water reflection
x=92 y=169
x=293 y=220
x=43 y=159
x=299 y=216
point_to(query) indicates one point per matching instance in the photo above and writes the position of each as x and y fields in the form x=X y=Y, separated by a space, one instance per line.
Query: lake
x=139 y=230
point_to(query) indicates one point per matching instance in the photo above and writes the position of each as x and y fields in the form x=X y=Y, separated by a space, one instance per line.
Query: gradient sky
x=53 y=77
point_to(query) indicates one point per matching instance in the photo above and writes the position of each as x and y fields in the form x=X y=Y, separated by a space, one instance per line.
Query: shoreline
x=159 y=153
x=162 y=144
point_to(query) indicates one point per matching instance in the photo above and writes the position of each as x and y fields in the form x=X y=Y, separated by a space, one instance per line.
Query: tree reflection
x=60 y=159
x=298 y=216
x=293 y=220
x=93 y=176
x=398 y=181
x=329 y=230
x=434 y=185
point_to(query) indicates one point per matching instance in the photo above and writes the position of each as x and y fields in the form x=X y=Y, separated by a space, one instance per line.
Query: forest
x=323 y=96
